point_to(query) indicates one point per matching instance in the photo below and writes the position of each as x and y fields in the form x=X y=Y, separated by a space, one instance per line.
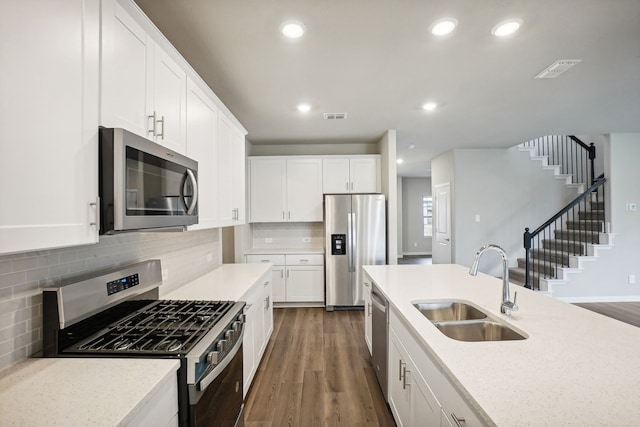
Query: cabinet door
x=49 y=149
x=127 y=64
x=248 y=344
x=455 y=409
x=279 y=287
x=305 y=283
x=304 y=190
x=267 y=315
x=238 y=163
x=335 y=176
x=267 y=194
x=169 y=104
x=399 y=398
x=363 y=175
x=367 y=314
x=202 y=122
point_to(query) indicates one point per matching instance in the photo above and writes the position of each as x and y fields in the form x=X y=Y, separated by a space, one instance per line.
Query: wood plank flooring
x=628 y=312
x=316 y=371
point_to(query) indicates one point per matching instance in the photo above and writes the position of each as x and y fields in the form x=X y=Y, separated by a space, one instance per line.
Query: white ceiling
x=377 y=61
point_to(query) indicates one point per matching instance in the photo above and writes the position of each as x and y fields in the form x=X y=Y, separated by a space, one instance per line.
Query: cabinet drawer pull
x=264 y=260
x=161 y=134
x=304 y=260
x=152 y=131
x=460 y=422
x=400 y=369
x=368 y=309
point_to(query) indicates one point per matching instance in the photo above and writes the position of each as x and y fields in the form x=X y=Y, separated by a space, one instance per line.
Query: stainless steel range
x=117 y=314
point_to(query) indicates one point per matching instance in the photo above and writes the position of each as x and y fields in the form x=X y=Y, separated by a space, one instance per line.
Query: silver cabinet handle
x=400 y=365
x=96 y=218
x=194 y=200
x=152 y=131
x=304 y=260
x=351 y=185
x=368 y=309
x=281 y=274
x=289 y=215
x=161 y=134
x=460 y=422
x=287 y=272
x=264 y=260
x=346 y=186
x=283 y=215
x=404 y=378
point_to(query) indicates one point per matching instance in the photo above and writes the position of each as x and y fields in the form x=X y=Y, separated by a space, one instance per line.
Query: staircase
x=574 y=236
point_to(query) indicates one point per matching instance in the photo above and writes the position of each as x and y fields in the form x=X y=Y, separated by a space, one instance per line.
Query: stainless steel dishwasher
x=380 y=337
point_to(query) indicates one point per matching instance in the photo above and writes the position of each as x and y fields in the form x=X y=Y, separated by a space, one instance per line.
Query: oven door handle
x=208 y=379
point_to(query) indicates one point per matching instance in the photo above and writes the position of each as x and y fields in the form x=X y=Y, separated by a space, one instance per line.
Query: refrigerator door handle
x=350 y=240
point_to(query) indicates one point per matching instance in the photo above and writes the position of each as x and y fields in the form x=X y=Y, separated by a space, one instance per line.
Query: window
x=427 y=215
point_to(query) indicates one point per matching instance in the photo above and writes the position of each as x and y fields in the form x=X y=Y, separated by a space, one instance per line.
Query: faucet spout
x=506 y=307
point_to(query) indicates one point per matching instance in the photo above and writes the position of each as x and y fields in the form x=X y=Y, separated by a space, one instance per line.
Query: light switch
x=477 y=217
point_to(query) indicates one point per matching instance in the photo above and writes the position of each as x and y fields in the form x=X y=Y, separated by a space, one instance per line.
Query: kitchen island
x=574 y=368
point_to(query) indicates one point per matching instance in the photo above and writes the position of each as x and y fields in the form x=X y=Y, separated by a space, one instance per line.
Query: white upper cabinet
x=353 y=174
x=143 y=89
x=202 y=129
x=49 y=148
x=286 y=189
x=231 y=173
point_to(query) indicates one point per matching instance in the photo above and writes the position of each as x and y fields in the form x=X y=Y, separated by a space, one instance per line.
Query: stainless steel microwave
x=143 y=185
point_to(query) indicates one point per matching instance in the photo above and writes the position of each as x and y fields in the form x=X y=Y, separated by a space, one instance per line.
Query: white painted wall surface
x=400 y=195
x=389 y=173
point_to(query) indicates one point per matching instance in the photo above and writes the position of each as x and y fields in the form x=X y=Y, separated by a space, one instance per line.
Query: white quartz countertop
x=285 y=251
x=79 y=392
x=576 y=368
x=227 y=282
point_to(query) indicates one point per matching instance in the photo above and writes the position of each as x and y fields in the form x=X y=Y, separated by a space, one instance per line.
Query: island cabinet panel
x=437 y=399
x=410 y=398
x=368 y=319
x=49 y=109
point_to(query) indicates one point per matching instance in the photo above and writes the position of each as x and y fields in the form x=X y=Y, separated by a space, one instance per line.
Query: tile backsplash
x=185 y=256
x=288 y=235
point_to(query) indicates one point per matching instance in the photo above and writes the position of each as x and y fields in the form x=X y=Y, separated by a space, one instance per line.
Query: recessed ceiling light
x=304 y=108
x=399 y=161
x=506 y=28
x=292 y=29
x=443 y=26
x=430 y=106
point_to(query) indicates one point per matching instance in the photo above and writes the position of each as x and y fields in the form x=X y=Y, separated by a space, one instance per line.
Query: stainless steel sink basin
x=478 y=330
x=442 y=311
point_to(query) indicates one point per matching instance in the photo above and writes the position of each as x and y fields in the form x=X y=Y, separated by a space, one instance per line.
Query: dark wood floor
x=316 y=371
x=628 y=312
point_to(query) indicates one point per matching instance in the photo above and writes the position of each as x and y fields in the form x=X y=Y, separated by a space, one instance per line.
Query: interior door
x=442 y=222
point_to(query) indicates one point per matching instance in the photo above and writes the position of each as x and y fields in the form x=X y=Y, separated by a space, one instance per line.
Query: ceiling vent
x=557 y=68
x=335 y=116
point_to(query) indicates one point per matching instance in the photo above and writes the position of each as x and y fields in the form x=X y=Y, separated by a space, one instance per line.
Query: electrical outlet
x=632 y=279
x=306 y=239
x=632 y=207
x=209 y=257
x=415 y=244
x=268 y=240
x=477 y=217
x=165 y=274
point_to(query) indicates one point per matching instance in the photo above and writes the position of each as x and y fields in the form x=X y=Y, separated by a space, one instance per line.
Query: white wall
x=501 y=186
x=413 y=191
x=607 y=279
x=400 y=217
x=24 y=275
x=389 y=174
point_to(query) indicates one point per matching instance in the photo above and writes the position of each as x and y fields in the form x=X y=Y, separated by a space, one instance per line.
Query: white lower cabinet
x=257 y=329
x=419 y=393
x=161 y=408
x=368 y=320
x=296 y=277
x=411 y=400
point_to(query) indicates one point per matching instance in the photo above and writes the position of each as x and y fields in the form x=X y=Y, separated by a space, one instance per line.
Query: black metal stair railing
x=567 y=233
x=574 y=157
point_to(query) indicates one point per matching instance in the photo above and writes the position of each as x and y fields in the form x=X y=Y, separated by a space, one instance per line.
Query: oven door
x=216 y=400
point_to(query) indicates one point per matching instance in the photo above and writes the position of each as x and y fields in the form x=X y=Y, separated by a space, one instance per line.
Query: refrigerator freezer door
x=337 y=212
x=369 y=238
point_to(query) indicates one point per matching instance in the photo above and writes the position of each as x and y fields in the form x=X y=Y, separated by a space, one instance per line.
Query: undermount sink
x=478 y=330
x=442 y=311
x=463 y=322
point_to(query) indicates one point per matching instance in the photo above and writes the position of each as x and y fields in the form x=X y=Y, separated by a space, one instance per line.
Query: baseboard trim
x=605 y=298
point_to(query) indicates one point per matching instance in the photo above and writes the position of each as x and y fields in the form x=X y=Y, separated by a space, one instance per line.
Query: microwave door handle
x=194 y=200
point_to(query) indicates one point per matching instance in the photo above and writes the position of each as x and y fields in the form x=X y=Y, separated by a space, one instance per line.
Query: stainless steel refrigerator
x=355 y=235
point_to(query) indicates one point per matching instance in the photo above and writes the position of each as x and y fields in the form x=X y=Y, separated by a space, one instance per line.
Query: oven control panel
x=122 y=284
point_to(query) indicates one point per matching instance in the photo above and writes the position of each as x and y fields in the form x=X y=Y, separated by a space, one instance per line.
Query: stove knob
x=222 y=345
x=237 y=326
x=229 y=335
x=212 y=357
